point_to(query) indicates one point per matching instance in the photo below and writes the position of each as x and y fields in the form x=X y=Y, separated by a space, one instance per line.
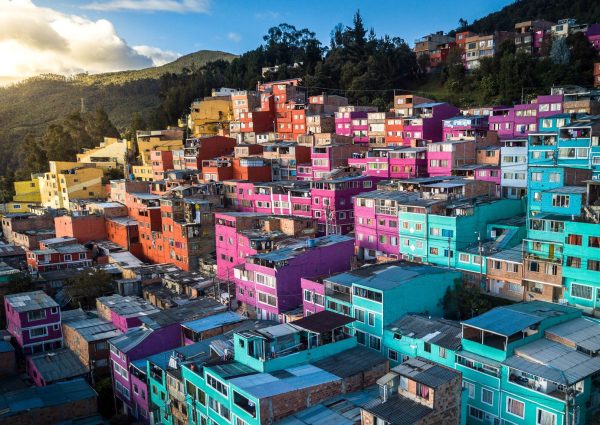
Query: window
x=470 y=388
x=38 y=332
x=360 y=337
x=515 y=407
x=214 y=383
x=392 y=355
x=594 y=242
x=36 y=315
x=581 y=291
x=307 y=295
x=371 y=319
x=375 y=343
x=442 y=352
x=487 y=396
x=573 y=239
x=593 y=265
x=218 y=408
x=427 y=347
x=476 y=413
x=359 y=315
x=463 y=258
x=574 y=262
x=560 y=201
x=368 y=294
x=267 y=298
x=545 y=418
x=433 y=251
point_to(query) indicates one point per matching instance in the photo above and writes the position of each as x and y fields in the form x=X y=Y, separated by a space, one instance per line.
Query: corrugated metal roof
x=554 y=360
x=58 y=365
x=57 y=394
x=443 y=333
x=28 y=301
x=398 y=410
x=503 y=321
x=350 y=362
x=262 y=385
x=214 y=321
x=583 y=332
x=426 y=373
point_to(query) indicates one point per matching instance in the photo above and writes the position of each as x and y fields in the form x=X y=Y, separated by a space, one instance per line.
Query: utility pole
x=480 y=250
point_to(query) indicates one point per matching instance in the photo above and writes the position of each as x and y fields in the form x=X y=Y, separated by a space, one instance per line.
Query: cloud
x=234 y=36
x=36 y=40
x=158 y=56
x=177 y=6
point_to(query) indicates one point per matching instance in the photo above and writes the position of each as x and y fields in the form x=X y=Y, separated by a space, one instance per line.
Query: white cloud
x=177 y=6
x=234 y=36
x=159 y=57
x=36 y=40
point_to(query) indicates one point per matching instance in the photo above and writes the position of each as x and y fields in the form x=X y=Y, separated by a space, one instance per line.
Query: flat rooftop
x=29 y=301
x=58 y=365
x=445 y=333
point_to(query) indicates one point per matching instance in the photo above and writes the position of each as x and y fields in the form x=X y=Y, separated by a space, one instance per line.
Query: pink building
x=427 y=122
x=33 y=321
x=313 y=296
x=241 y=234
x=376 y=222
x=326 y=158
x=332 y=202
x=465 y=128
x=269 y=284
x=443 y=157
x=392 y=162
x=352 y=121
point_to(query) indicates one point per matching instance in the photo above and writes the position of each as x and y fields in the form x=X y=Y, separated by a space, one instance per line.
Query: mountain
x=30 y=106
x=584 y=11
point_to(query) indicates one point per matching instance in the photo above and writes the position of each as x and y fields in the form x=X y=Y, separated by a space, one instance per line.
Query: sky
x=72 y=36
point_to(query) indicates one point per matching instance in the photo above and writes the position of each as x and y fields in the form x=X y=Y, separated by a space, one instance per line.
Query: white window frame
x=513 y=414
x=483 y=391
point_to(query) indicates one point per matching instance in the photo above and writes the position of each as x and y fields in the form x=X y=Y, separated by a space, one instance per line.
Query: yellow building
x=158 y=140
x=27 y=194
x=211 y=116
x=142 y=173
x=112 y=153
x=70 y=181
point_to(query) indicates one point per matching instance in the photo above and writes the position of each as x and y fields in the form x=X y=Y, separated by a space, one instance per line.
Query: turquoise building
x=273 y=372
x=377 y=295
x=528 y=363
x=436 y=234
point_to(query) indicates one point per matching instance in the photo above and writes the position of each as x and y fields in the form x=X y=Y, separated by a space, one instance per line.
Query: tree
x=462 y=24
x=559 y=53
x=463 y=302
x=35 y=158
x=98 y=126
x=84 y=288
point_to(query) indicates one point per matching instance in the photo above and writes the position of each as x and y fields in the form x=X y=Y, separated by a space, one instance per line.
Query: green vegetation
x=585 y=11
x=84 y=288
x=29 y=107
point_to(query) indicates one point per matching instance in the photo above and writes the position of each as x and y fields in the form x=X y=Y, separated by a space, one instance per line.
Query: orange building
x=199 y=149
x=252 y=168
x=84 y=228
x=124 y=232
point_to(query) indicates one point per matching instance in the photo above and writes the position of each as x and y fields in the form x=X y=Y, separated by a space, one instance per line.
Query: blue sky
x=68 y=37
x=238 y=25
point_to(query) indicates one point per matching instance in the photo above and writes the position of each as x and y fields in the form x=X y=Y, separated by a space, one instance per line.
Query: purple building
x=593 y=35
x=124 y=312
x=33 y=320
x=519 y=121
x=269 y=284
x=159 y=332
x=352 y=121
x=427 y=122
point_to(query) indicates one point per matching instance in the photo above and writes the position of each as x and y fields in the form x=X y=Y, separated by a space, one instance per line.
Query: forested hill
x=584 y=11
x=31 y=106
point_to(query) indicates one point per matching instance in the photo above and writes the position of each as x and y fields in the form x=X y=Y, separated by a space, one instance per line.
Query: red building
x=217 y=170
x=198 y=149
x=257 y=121
x=58 y=254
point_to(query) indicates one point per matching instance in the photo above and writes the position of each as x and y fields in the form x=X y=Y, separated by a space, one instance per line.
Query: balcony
x=536 y=383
